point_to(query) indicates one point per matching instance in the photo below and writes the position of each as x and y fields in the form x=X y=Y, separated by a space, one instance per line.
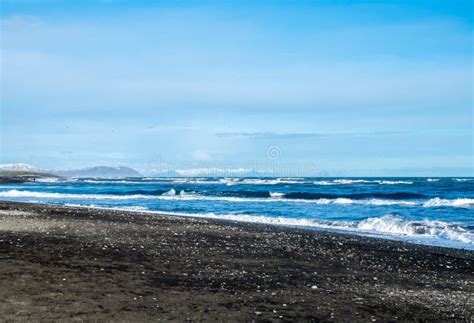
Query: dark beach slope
x=61 y=263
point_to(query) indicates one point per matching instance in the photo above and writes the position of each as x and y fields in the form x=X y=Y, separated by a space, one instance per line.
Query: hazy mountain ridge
x=100 y=171
x=26 y=170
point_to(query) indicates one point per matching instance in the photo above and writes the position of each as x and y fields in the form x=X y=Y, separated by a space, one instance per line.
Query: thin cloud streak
x=272 y=135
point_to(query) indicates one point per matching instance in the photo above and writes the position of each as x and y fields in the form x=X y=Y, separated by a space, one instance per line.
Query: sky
x=326 y=88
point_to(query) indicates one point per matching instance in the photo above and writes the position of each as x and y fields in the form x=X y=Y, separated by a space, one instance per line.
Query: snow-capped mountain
x=19 y=173
x=96 y=171
x=18 y=167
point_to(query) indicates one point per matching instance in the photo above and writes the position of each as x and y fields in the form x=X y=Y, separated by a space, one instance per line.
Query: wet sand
x=65 y=263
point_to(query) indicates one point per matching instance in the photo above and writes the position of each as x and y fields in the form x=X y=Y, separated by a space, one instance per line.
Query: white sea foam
x=432 y=179
x=228 y=181
x=47 y=180
x=213 y=171
x=392 y=224
x=275 y=198
x=427 y=231
x=131 y=208
x=459 y=202
x=99 y=181
x=361 y=181
x=193 y=181
x=171 y=195
x=121 y=208
x=280 y=199
x=171 y=192
x=342 y=200
x=202 y=181
x=388 y=225
x=395 y=182
x=351 y=181
x=341 y=182
x=276 y=194
x=82 y=205
x=244 y=181
x=276 y=181
x=325 y=183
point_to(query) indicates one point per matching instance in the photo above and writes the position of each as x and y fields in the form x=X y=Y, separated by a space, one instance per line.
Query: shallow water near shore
x=436 y=211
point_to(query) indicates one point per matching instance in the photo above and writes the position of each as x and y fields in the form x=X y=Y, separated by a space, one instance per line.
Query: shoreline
x=62 y=262
x=421 y=240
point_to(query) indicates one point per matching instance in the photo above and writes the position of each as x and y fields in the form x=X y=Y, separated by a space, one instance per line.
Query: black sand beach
x=64 y=263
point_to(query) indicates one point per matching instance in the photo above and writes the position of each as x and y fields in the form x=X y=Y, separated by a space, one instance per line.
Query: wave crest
x=388 y=225
x=362 y=181
x=459 y=202
x=265 y=198
x=394 y=224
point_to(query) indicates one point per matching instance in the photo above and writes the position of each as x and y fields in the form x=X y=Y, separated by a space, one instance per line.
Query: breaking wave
x=361 y=181
x=390 y=225
x=394 y=196
x=171 y=192
x=361 y=199
x=353 y=204
x=393 y=224
x=277 y=195
x=459 y=202
x=276 y=181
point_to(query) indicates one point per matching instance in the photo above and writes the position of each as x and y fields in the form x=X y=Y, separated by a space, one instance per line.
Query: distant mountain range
x=25 y=170
x=100 y=171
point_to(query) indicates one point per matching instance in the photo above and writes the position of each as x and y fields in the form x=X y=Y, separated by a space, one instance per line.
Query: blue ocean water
x=437 y=211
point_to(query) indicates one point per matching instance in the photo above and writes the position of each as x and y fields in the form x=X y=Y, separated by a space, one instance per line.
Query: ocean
x=433 y=211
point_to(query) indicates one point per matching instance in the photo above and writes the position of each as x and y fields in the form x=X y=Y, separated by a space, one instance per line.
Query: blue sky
x=338 y=87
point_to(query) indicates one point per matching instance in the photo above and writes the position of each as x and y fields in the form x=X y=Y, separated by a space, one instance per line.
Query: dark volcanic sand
x=61 y=263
